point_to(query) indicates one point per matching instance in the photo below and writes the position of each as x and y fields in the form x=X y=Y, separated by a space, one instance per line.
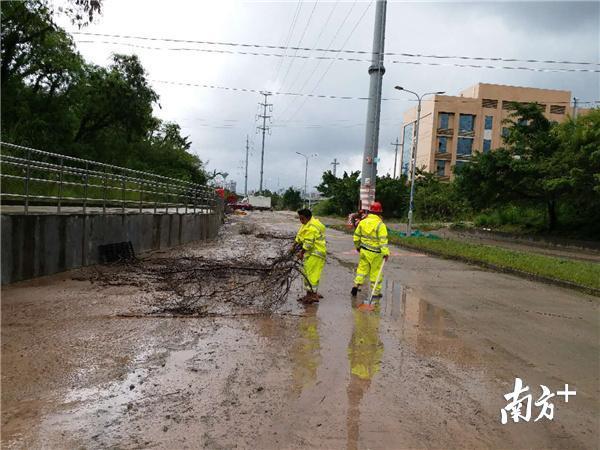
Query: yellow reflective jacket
x=371 y=234
x=311 y=236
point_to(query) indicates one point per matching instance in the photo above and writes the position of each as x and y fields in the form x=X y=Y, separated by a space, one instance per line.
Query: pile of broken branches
x=198 y=285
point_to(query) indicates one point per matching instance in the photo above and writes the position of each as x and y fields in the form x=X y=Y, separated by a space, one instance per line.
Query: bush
x=436 y=200
x=291 y=200
x=324 y=208
x=512 y=218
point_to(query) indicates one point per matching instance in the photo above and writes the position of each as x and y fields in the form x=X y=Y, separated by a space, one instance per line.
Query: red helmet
x=376 y=207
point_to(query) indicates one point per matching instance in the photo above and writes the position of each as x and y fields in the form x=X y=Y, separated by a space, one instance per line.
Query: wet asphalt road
x=427 y=369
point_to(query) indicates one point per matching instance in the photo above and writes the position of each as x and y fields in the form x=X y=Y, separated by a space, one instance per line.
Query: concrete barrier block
x=43 y=244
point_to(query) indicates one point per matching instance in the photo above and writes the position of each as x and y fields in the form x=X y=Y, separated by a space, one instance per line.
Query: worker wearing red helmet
x=371 y=241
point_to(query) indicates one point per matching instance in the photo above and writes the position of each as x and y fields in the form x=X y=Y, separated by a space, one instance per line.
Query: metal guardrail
x=34 y=177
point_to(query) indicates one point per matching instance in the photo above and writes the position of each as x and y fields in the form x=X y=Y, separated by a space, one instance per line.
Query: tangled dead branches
x=197 y=285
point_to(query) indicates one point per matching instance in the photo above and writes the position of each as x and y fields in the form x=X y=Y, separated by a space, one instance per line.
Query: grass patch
x=581 y=273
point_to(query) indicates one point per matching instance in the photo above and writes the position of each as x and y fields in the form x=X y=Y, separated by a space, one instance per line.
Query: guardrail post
x=27 y=175
x=122 y=194
x=60 y=184
x=104 y=190
x=155 y=196
x=186 y=199
x=85 y=188
x=195 y=198
x=141 y=187
x=167 y=199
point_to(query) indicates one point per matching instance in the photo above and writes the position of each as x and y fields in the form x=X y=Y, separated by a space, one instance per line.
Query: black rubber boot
x=354 y=291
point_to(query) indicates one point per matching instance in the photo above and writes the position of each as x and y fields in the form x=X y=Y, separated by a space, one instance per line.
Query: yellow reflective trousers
x=369 y=264
x=311 y=236
x=313 y=266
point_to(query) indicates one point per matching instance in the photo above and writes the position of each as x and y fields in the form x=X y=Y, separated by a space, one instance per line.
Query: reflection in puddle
x=306 y=352
x=431 y=330
x=364 y=354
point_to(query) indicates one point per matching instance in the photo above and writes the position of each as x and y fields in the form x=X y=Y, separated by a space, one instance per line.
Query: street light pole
x=414 y=155
x=306 y=174
x=246 y=170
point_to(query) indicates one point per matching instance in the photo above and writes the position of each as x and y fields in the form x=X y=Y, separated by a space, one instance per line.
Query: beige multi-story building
x=453 y=128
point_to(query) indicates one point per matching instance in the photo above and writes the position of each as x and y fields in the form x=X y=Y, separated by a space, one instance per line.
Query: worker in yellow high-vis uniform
x=371 y=241
x=311 y=248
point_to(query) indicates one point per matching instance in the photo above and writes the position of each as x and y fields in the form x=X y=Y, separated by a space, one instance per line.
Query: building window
x=487 y=145
x=557 y=109
x=505 y=132
x=465 y=146
x=489 y=121
x=444 y=120
x=489 y=103
x=440 y=167
x=459 y=164
x=442 y=144
x=466 y=123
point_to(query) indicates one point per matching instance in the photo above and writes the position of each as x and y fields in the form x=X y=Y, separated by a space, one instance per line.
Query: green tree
x=341 y=192
x=393 y=193
x=292 y=199
x=117 y=98
x=276 y=201
x=542 y=163
x=436 y=200
x=51 y=99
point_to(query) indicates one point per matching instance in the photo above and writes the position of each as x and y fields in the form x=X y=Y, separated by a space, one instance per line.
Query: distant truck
x=259 y=202
x=254 y=202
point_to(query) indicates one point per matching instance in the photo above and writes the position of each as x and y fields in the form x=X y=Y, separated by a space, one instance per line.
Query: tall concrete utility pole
x=264 y=129
x=396 y=144
x=574 y=107
x=335 y=163
x=376 y=71
x=246 y=174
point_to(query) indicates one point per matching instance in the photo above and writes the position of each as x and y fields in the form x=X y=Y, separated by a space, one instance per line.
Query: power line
x=299 y=42
x=335 y=97
x=330 y=58
x=332 y=62
x=360 y=52
x=322 y=55
x=323 y=28
x=293 y=26
x=479 y=66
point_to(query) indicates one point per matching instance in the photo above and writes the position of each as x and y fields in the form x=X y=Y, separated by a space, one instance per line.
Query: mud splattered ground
x=84 y=364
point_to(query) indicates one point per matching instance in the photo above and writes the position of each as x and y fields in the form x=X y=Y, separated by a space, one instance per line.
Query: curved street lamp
x=306 y=172
x=414 y=154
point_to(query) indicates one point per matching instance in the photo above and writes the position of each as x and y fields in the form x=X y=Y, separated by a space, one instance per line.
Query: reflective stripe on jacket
x=311 y=236
x=371 y=234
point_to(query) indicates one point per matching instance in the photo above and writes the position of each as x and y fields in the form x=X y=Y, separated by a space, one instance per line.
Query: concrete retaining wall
x=42 y=244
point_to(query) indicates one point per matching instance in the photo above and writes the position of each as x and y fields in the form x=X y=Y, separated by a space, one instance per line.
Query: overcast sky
x=218 y=121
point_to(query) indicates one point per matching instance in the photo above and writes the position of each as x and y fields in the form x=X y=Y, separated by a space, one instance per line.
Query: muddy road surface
x=102 y=357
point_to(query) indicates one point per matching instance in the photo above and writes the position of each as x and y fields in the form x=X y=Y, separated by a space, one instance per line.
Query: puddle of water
x=429 y=329
x=365 y=351
x=306 y=353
